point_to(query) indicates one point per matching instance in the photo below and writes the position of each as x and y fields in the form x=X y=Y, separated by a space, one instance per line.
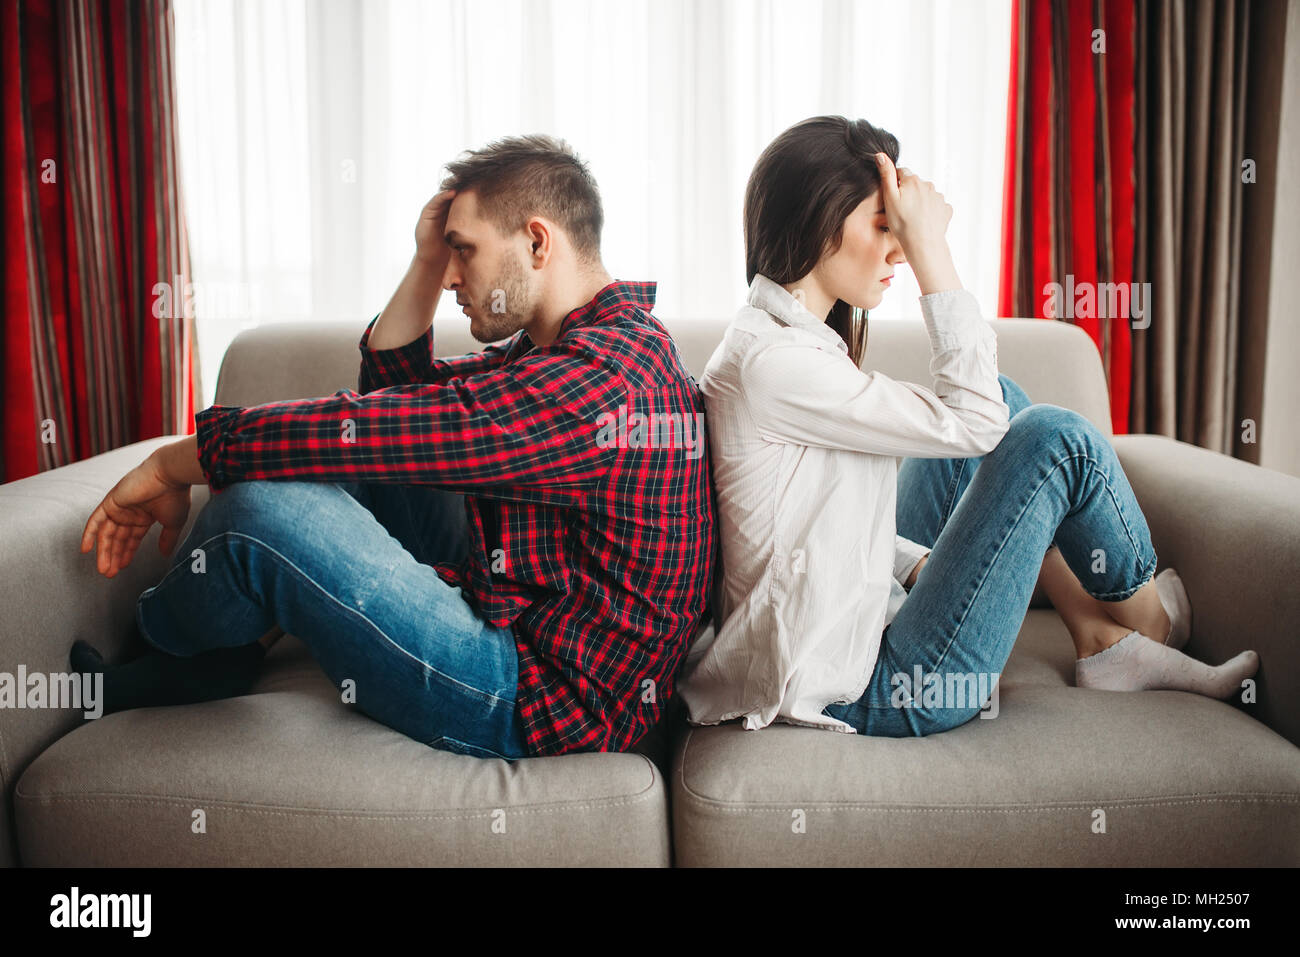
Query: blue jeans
x=345 y=567
x=1053 y=479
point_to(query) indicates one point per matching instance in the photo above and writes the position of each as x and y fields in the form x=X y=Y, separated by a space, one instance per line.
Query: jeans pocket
x=446 y=743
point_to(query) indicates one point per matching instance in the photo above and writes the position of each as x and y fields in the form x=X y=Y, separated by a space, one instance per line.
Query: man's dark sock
x=156 y=679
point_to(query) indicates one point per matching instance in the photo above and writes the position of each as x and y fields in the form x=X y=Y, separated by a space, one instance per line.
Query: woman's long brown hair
x=804 y=185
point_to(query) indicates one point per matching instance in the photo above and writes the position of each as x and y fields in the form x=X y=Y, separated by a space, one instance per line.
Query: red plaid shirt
x=605 y=531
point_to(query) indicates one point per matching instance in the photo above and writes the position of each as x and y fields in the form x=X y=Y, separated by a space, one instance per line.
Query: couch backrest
x=1053 y=361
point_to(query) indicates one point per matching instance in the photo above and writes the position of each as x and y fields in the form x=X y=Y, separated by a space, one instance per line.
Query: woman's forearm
x=916 y=570
x=934 y=269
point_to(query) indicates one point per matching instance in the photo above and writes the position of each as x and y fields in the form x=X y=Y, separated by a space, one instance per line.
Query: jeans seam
x=1148 y=568
x=1147 y=573
x=950 y=500
x=353 y=611
x=1018 y=519
x=467 y=744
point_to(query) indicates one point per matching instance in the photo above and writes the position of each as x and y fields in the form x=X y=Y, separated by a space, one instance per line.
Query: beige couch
x=290 y=775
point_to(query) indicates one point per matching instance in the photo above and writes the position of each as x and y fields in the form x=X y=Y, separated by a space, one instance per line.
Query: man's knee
x=266 y=505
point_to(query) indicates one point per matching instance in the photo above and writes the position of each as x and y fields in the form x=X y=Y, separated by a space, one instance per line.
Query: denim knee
x=261 y=504
x=1043 y=423
x=238 y=497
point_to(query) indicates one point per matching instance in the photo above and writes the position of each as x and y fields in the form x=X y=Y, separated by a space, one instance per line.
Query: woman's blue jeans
x=1053 y=479
x=346 y=568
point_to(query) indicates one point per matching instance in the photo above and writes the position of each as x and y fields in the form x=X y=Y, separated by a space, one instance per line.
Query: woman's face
x=858 y=270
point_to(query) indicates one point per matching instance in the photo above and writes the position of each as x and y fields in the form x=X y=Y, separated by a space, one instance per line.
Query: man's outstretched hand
x=121 y=521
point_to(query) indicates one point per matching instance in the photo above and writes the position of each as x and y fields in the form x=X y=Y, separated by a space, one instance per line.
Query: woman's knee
x=1043 y=424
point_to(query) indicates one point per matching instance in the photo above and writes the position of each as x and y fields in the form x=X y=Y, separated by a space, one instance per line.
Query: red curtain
x=98 y=348
x=1069 y=214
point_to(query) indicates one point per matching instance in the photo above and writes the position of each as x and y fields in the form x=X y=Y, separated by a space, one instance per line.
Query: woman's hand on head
x=918 y=215
x=916 y=212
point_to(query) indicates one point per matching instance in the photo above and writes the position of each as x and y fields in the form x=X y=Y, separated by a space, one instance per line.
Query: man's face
x=488 y=272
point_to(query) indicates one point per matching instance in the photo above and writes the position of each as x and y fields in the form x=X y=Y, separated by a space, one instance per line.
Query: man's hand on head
x=430 y=232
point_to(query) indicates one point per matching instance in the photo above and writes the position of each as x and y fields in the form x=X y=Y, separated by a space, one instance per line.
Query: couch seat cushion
x=289 y=775
x=1177 y=779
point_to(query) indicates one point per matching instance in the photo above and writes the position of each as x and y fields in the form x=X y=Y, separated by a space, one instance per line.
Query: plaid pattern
x=598 y=553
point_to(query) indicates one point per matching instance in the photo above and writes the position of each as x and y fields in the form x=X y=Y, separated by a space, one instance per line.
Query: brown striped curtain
x=98 y=346
x=1128 y=164
x=1198 y=370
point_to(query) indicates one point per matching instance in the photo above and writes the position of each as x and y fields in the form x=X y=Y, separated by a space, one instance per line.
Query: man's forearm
x=178 y=462
x=410 y=312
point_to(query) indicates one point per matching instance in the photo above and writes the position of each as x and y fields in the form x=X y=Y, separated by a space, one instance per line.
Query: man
x=573 y=559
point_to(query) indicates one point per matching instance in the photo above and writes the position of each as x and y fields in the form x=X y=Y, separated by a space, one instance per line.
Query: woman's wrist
x=916 y=570
x=934 y=269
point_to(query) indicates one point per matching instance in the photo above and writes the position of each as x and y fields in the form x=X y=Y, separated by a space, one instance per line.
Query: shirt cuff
x=906 y=556
x=212 y=428
x=404 y=365
x=952 y=318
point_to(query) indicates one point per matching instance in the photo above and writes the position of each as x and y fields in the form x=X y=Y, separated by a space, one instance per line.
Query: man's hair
x=522 y=176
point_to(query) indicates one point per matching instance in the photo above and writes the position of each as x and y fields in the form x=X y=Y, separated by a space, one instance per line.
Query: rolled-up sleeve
x=530 y=423
x=415 y=362
x=212 y=426
x=907 y=554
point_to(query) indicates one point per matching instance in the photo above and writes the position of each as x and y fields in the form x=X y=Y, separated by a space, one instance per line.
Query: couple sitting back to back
x=464 y=545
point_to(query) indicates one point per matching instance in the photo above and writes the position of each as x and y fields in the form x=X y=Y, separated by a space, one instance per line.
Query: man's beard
x=507 y=306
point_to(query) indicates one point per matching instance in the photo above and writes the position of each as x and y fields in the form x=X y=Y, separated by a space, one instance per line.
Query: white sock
x=1173 y=596
x=1136 y=663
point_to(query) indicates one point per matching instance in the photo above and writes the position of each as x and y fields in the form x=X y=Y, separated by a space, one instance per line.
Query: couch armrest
x=51 y=595
x=1232 y=530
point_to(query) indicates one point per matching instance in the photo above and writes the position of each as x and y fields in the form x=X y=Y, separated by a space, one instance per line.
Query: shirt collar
x=614 y=296
x=617 y=295
x=781 y=305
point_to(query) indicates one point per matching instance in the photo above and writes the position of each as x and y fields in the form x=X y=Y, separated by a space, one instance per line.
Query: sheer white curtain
x=312 y=132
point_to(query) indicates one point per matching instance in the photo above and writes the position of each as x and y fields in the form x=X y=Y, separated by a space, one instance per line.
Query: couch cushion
x=1183 y=780
x=288 y=775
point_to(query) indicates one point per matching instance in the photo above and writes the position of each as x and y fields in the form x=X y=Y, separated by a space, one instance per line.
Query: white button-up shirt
x=805 y=450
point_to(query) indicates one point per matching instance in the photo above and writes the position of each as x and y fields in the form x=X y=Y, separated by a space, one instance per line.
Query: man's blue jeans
x=1053 y=479
x=345 y=567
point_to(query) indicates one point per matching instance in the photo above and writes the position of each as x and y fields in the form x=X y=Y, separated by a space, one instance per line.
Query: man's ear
x=541 y=241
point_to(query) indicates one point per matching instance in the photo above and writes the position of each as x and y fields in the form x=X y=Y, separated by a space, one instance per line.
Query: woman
x=823 y=534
